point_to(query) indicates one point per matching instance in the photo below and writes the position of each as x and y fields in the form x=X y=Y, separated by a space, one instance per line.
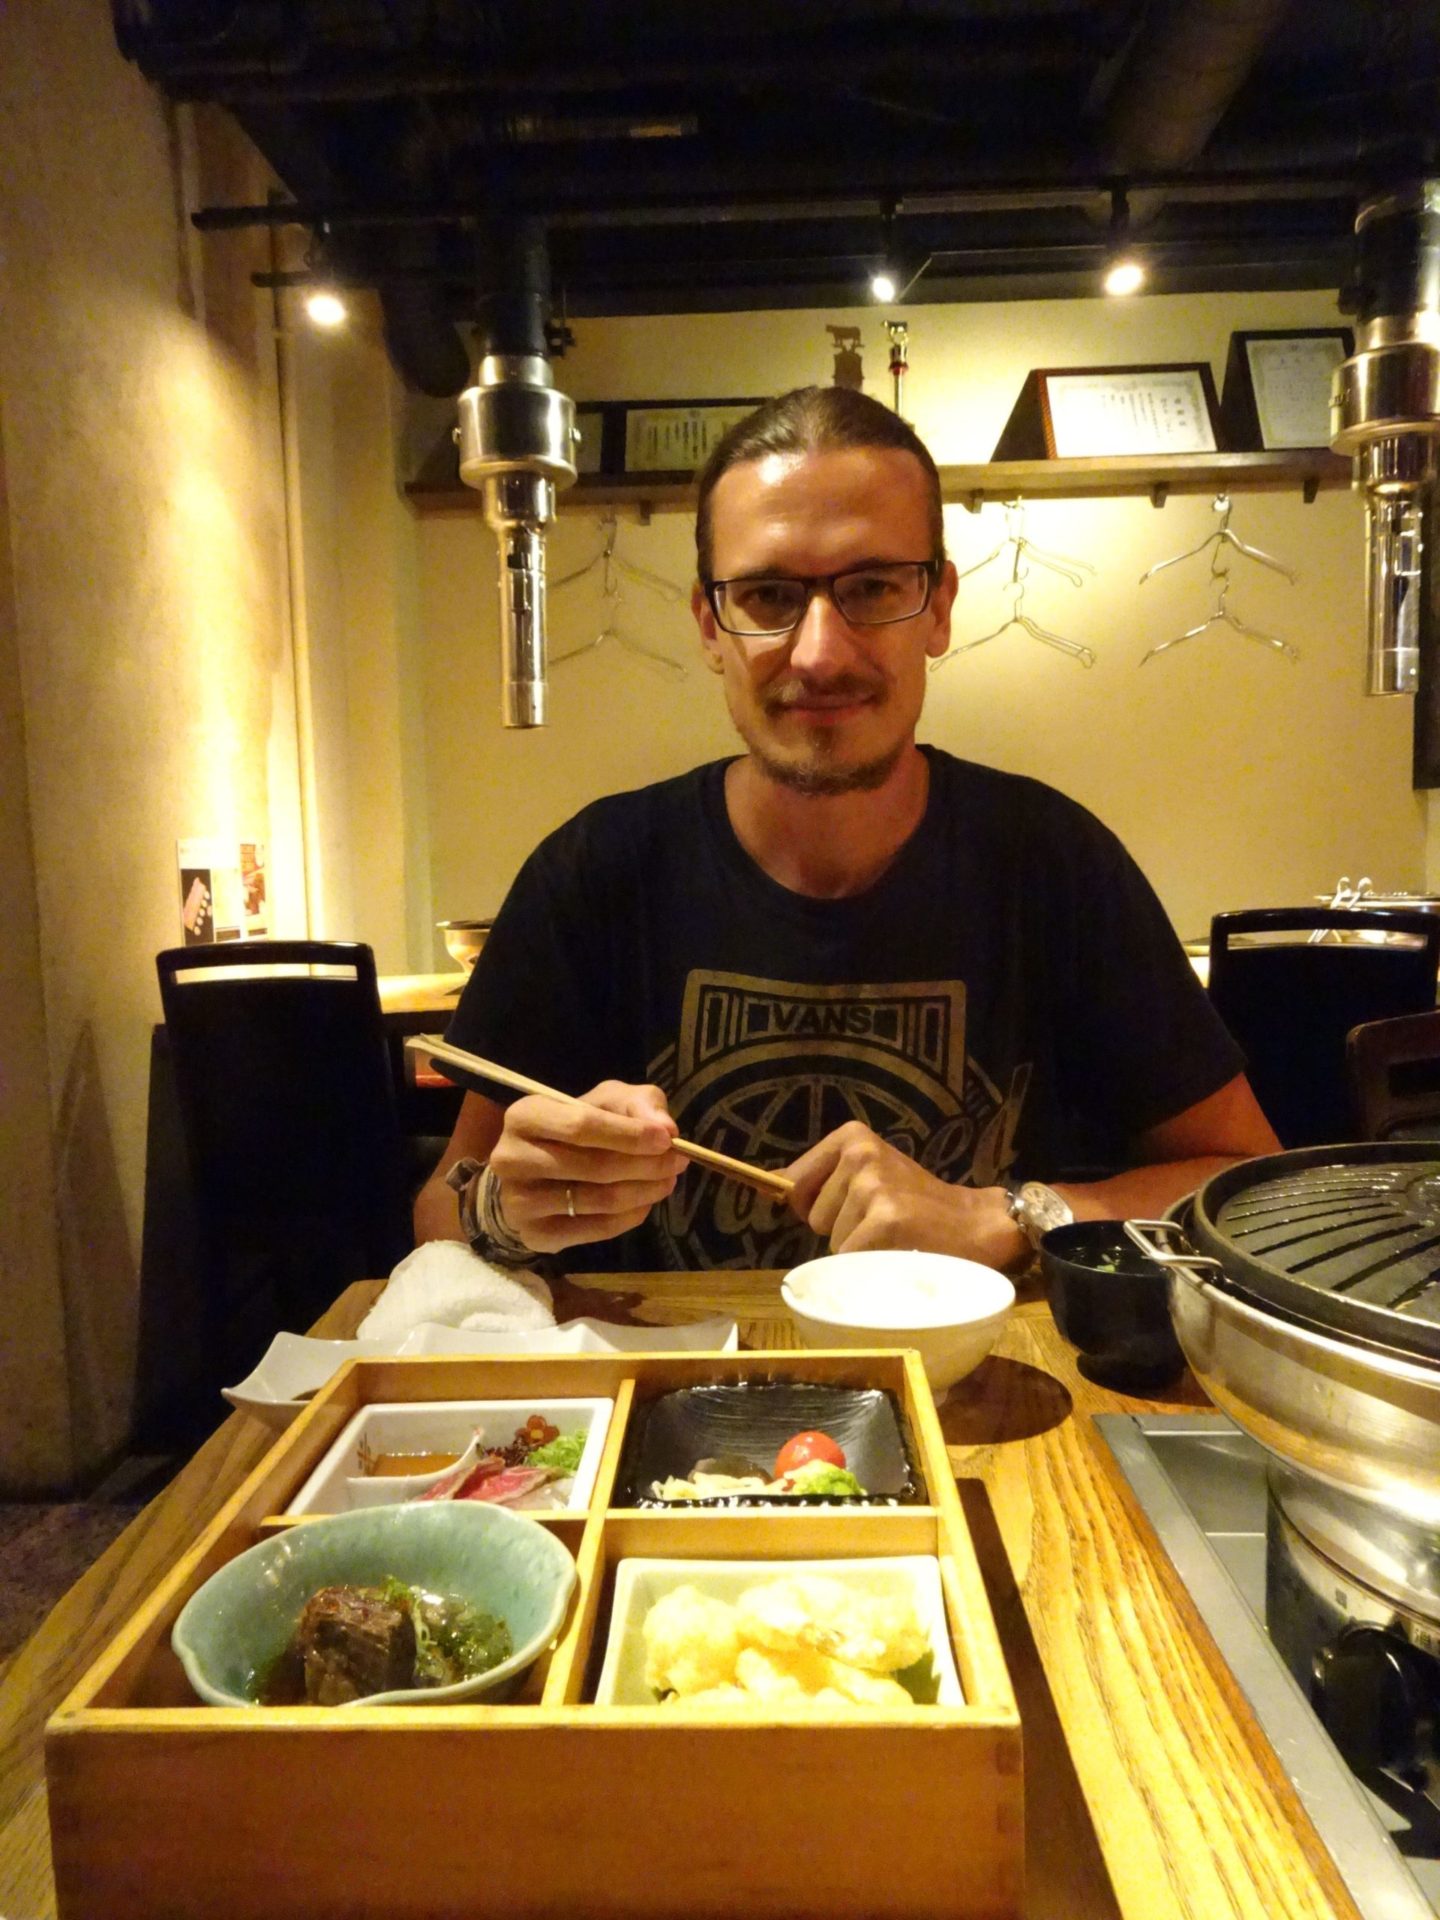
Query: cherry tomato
x=803 y=1447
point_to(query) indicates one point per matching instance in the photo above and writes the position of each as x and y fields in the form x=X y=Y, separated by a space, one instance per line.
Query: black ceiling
x=690 y=157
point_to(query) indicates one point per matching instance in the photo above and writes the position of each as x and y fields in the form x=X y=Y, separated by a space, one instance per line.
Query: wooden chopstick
x=760 y=1178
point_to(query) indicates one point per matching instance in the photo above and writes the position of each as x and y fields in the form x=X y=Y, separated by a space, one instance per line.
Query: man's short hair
x=814 y=420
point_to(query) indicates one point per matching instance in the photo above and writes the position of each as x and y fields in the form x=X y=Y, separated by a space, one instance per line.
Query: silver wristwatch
x=1035 y=1208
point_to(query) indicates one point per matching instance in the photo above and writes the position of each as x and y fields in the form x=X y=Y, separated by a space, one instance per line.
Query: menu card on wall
x=222 y=890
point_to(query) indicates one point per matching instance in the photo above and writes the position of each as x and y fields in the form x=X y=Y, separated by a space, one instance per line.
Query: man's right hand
x=574 y=1173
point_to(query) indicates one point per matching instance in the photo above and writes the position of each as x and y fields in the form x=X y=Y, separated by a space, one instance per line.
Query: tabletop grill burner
x=1305 y=1293
x=1310 y=1645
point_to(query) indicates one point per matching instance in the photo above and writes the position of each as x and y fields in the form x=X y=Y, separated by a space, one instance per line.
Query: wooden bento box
x=550 y=1804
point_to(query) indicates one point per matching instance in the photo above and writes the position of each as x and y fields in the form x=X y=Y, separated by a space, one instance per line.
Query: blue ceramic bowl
x=232 y=1629
x=1112 y=1303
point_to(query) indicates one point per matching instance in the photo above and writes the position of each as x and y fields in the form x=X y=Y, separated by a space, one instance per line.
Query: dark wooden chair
x=1291 y=997
x=286 y=1100
x=1393 y=1068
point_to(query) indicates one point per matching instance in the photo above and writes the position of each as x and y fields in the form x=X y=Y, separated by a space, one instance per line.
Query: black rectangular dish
x=750 y=1422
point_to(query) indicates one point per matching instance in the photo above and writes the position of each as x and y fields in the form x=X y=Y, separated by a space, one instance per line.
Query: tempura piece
x=690 y=1642
x=780 y=1678
x=879 y=1632
x=798 y=1641
x=860 y=1688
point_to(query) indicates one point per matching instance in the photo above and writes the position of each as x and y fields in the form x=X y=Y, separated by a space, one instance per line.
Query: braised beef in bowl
x=411 y=1605
x=1112 y=1304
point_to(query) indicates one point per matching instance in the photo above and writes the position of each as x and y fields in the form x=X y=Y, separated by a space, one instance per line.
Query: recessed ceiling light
x=1124 y=276
x=325 y=308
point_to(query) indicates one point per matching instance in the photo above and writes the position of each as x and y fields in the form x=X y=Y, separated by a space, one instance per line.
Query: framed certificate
x=651 y=439
x=676 y=436
x=1091 y=411
x=1277 y=386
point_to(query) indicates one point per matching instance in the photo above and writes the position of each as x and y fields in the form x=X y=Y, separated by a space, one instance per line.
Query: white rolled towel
x=444 y=1283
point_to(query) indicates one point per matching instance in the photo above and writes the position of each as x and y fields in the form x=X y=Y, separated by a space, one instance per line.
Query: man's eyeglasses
x=770 y=605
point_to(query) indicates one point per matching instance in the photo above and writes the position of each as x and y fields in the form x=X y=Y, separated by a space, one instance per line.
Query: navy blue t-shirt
x=1008 y=1000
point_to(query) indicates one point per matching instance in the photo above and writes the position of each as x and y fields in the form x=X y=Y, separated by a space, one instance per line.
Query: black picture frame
x=674 y=438
x=1288 y=410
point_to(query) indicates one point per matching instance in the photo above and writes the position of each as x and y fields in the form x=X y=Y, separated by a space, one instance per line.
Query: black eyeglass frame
x=813 y=584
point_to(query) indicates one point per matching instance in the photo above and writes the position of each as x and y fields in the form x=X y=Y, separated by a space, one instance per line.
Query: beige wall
x=1235 y=777
x=33 y=1385
x=355 y=557
x=143 y=659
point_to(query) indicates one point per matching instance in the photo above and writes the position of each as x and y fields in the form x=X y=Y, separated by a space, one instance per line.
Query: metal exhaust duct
x=1385 y=412
x=517 y=446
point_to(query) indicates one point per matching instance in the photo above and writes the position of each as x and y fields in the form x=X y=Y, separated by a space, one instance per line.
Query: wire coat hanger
x=613 y=562
x=611 y=632
x=1015 y=536
x=1018 y=617
x=1221 y=616
x=1222 y=536
x=1024 y=551
x=612 y=594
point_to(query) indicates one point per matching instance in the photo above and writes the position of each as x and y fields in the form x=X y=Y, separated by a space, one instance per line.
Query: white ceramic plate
x=339 y=1485
x=580 y=1336
x=639 y=1583
x=295 y=1367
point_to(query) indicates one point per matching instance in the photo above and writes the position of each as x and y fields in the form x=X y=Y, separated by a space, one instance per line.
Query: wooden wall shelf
x=1136 y=474
x=1127 y=474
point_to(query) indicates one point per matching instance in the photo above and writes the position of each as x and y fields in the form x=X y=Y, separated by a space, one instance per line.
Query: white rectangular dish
x=579 y=1336
x=340 y=1482
x=640 y=1582
x=294 y=1366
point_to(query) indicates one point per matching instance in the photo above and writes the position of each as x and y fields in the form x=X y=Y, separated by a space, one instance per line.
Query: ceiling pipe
x=833 y=56
x=1187 y=64
x=1092 y=190
x=421 y=339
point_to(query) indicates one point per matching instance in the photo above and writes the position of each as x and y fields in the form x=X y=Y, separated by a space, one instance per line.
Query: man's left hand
x=859 y=1192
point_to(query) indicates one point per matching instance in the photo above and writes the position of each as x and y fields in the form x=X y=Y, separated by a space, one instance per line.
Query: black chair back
x=1290 y=999
x=288 y=1109
x=1394 y=1070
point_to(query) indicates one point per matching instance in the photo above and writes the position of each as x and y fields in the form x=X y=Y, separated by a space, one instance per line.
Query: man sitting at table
x=919 y=986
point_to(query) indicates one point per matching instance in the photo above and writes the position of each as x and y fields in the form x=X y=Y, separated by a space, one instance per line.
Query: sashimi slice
x=504 y=1489
x=450 y=1485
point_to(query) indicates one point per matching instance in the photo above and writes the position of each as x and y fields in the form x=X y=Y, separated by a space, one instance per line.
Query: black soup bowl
x=1111 y=1303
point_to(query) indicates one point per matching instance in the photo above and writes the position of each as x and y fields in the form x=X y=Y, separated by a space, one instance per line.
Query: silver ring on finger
x=570 y=1201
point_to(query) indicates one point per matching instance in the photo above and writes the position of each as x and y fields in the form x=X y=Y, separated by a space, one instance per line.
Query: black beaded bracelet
x=481 y=1221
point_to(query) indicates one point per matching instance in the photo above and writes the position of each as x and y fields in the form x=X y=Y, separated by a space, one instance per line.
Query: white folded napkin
x=444 y=1283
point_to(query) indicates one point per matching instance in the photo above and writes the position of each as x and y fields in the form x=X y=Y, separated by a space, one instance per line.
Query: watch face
x=1043 y=1207
x=1037 y=1208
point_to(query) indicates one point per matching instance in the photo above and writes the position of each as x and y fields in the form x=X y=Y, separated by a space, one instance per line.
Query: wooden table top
x=1149 y=1793
x=435 y=993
